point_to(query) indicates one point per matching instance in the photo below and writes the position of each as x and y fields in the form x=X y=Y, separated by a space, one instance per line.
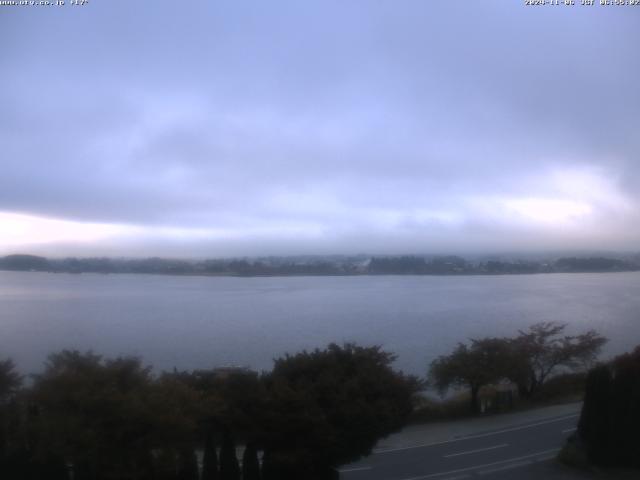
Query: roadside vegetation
x=607 y=434
x=540 y=364
x=91 y=418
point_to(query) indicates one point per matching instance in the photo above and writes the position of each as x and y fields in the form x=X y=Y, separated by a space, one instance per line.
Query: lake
x=201 y=322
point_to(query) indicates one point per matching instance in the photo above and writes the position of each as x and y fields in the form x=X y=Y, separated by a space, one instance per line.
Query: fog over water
x=200 y=322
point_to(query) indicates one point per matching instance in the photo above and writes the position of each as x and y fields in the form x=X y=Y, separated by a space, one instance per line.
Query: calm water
x=193 y=322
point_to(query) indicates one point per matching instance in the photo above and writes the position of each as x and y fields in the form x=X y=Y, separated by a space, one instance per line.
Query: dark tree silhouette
x=250 y=463
x=210 y=459
x=10 y=380
x=112 y=419
x=187 y=464
x=165 y=465
x=329 y=407
x=610 y=419
x=594 y=422
x=482 y=362
x=625 y=409
x=229 y=467
x=542 y=349
x=95 y=414
x=527 y=360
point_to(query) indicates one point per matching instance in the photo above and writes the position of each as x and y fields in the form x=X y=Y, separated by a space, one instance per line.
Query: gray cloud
x=325 y=126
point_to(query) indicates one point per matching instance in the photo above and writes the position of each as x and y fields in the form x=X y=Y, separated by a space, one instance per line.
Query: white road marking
x=569 y=430
x=485 y=465
x=545 y=458
x=459 y=477
x=476 y=451
x=471 y=437
x=504 y=467
x=354 y=469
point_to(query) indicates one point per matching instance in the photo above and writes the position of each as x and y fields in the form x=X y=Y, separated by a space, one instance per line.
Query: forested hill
x=318 y=265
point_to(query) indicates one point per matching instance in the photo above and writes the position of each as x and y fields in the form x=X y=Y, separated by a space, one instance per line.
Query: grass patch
x=564 y=388
x=433 y=410
x=573 y=454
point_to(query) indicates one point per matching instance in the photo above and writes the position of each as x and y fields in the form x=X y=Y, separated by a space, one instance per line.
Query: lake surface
x=200 y=322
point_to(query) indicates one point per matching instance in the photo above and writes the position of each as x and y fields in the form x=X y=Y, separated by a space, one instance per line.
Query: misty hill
x=24 y=263
x=419 y=265
x=597 y=264
x=320 y=265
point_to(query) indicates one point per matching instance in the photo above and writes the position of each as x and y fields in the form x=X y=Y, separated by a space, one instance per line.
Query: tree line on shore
x=338 y=265
x=91 y=418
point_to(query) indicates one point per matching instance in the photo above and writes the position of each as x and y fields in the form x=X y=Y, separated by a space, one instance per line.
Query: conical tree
x=625 y=411
x=268 y=470
x=16 y=466
x=187 y=464
x=50 y=467
x=82 y=469
x=165 y=465
x=593 y=426
x=229 y=467
x=210 y=459
x=250 y=463
x=144 y=466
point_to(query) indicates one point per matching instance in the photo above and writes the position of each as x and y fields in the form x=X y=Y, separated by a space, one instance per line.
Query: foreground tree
x=95 y=415
x=10 y=380
x=542 y=350
x=610 y=419
x=210 y=459
x=10 y=448
x=329 y=407
x=229 y=466
x=594 y=421
x=187 y=464
x=250 y=463
x=482 y=362
x=527 y=360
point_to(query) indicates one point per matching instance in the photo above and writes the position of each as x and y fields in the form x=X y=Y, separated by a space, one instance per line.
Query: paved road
x=519 y=450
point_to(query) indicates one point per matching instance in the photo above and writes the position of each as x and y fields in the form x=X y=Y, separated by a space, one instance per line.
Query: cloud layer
x=233 y=128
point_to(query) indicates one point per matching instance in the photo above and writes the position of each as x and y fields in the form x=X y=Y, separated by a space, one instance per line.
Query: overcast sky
x=215 y=128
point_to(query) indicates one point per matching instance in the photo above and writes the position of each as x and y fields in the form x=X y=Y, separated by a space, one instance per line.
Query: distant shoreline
x=319 y=266
x=293 y=275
